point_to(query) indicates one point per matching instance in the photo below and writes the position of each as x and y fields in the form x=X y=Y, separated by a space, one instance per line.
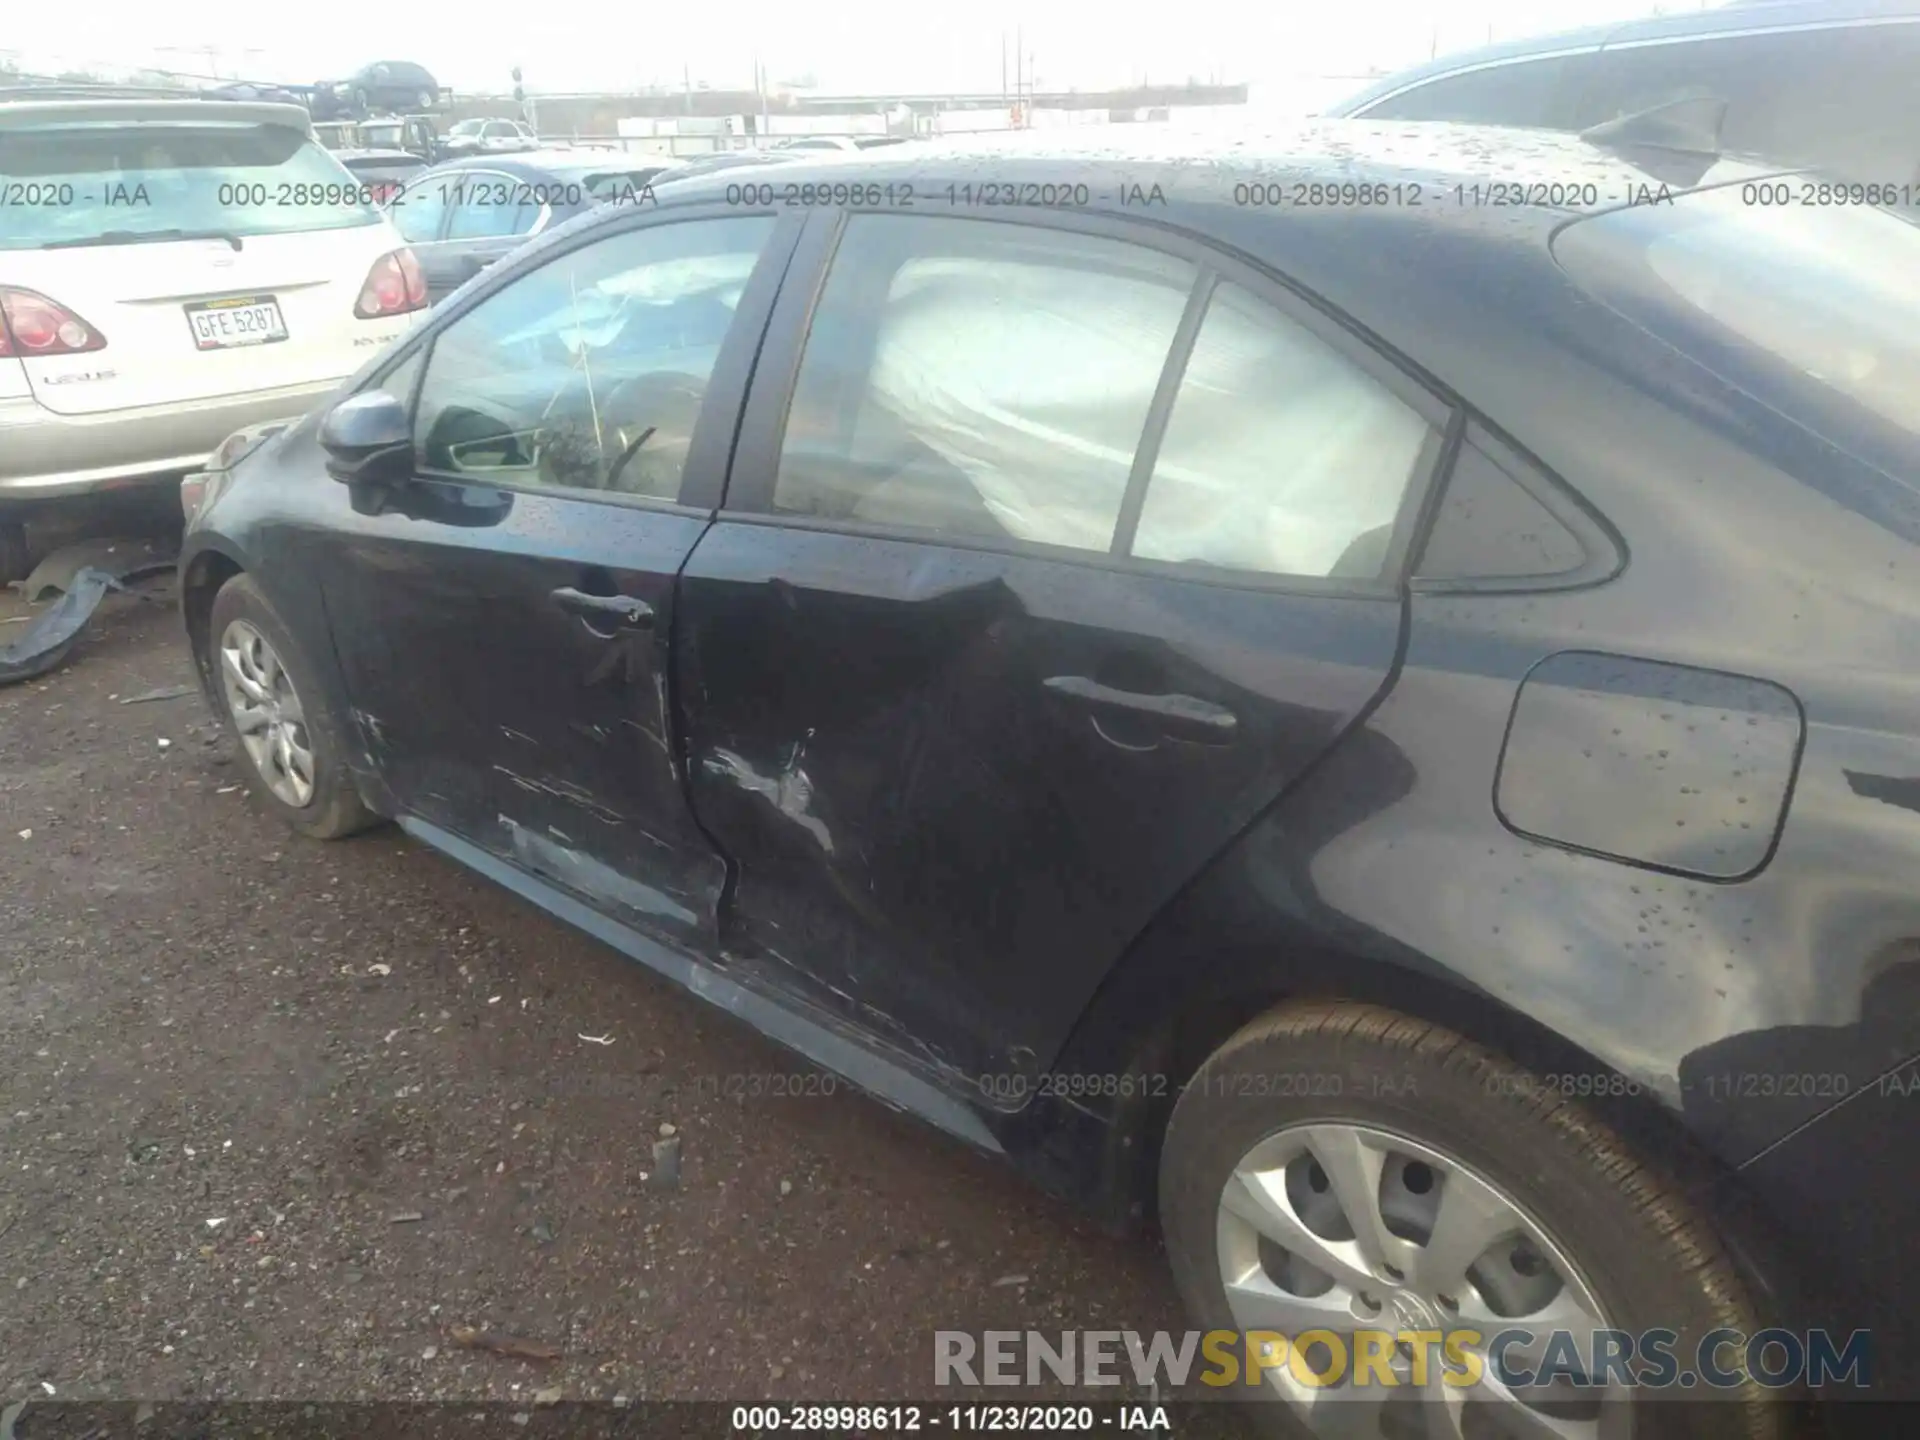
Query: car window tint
x=978 y=378
x=1523 y=92
x=1489 y=527
x=489 y=206
x=1844 y=99
x=589 y=372
x=1281 y=455
x=418 y=211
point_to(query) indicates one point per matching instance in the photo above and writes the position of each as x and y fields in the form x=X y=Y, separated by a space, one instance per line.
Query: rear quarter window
x=88 y=183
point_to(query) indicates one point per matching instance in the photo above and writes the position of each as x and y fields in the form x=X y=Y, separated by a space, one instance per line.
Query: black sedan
x=463 y=215
x=1350 y=696
x=389 y=85
x=384 y=172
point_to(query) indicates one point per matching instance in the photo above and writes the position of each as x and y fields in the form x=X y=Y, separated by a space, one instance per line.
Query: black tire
x=1651 y=1258
x=16 y=559
x=335 y=809
x=426 y=99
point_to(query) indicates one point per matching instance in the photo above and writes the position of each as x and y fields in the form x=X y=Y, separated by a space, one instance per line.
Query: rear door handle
x=632 y=613
x=1184 y=715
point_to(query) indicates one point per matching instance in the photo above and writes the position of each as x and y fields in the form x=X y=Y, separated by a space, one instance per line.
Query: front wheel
x=290 y=745
x=1468 y=1247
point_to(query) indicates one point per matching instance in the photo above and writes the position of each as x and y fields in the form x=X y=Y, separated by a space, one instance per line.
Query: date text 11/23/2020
x=1146 y=1420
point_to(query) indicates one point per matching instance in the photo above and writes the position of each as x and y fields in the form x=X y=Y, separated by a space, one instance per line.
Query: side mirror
x=369 y=440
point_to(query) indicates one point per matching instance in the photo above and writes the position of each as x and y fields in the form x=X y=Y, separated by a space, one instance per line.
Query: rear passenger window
x=490 y=206
x=976 y=378
x=1282 y=456
x=421 y=211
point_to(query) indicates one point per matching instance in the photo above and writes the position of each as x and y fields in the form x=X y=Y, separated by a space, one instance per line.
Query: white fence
x=689 y=135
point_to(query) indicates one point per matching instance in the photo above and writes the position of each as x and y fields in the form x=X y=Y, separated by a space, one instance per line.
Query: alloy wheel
x=267 y=713
x=1342 y=1228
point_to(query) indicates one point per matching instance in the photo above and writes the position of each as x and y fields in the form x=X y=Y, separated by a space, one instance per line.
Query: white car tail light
x=394 y=286
x=32 y=325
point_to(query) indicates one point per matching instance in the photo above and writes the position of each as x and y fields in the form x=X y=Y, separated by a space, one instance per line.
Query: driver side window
x=589 y=372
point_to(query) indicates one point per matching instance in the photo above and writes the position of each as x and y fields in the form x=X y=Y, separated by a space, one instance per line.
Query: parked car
x=1347 y=729
x=389 y=85
x=840 y=142
x=462 y=216
x=1825 y=83
x=415 y=134
x=385 y=172
x=489 y=137
x=171 y=271
x=250 y=90
x=699 y=165
x=337 y=135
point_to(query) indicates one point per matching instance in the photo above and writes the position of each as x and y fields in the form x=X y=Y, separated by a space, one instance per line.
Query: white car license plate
x=221 y=324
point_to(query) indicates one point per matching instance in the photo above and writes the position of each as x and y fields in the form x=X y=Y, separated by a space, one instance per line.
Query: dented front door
x=505 y=619
x=583 y=785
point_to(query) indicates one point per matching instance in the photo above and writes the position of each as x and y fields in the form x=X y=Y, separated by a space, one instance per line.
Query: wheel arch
x=201 y=576
x=1179 y=995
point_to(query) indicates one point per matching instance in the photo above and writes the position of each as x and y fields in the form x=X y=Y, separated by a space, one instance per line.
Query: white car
x=489 y=137
x=171 y=272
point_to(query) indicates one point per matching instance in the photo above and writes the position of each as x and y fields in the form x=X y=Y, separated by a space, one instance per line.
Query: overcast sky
x=847 y=44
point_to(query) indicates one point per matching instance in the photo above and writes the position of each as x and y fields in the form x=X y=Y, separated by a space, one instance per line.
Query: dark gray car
x=462 y=216
x=1823 y=83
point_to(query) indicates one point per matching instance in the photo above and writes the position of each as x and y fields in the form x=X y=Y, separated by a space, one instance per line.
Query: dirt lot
x=275 y=1116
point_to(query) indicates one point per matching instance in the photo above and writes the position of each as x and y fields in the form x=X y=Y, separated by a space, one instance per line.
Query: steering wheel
x=665 y=404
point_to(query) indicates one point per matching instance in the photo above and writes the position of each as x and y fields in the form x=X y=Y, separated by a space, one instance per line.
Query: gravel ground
x=278 y=1117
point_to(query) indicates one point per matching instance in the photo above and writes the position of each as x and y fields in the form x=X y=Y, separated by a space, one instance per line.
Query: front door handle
x=632 y=613
x=1185 y=715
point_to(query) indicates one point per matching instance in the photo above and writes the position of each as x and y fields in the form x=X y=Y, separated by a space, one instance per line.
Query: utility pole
x=1019 y=87
x=760 y=91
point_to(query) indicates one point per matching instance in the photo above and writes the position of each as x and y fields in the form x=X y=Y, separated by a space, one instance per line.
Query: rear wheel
x=1343 y=1169
x=426 y=99
x=290 y=745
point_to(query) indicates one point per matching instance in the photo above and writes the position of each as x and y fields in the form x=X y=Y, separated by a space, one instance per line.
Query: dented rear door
x=958 y=708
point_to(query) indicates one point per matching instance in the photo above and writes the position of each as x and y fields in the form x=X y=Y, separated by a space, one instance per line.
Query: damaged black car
x=1370 y=729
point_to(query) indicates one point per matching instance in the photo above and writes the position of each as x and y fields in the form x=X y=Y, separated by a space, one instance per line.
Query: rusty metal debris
x=517 y=1347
